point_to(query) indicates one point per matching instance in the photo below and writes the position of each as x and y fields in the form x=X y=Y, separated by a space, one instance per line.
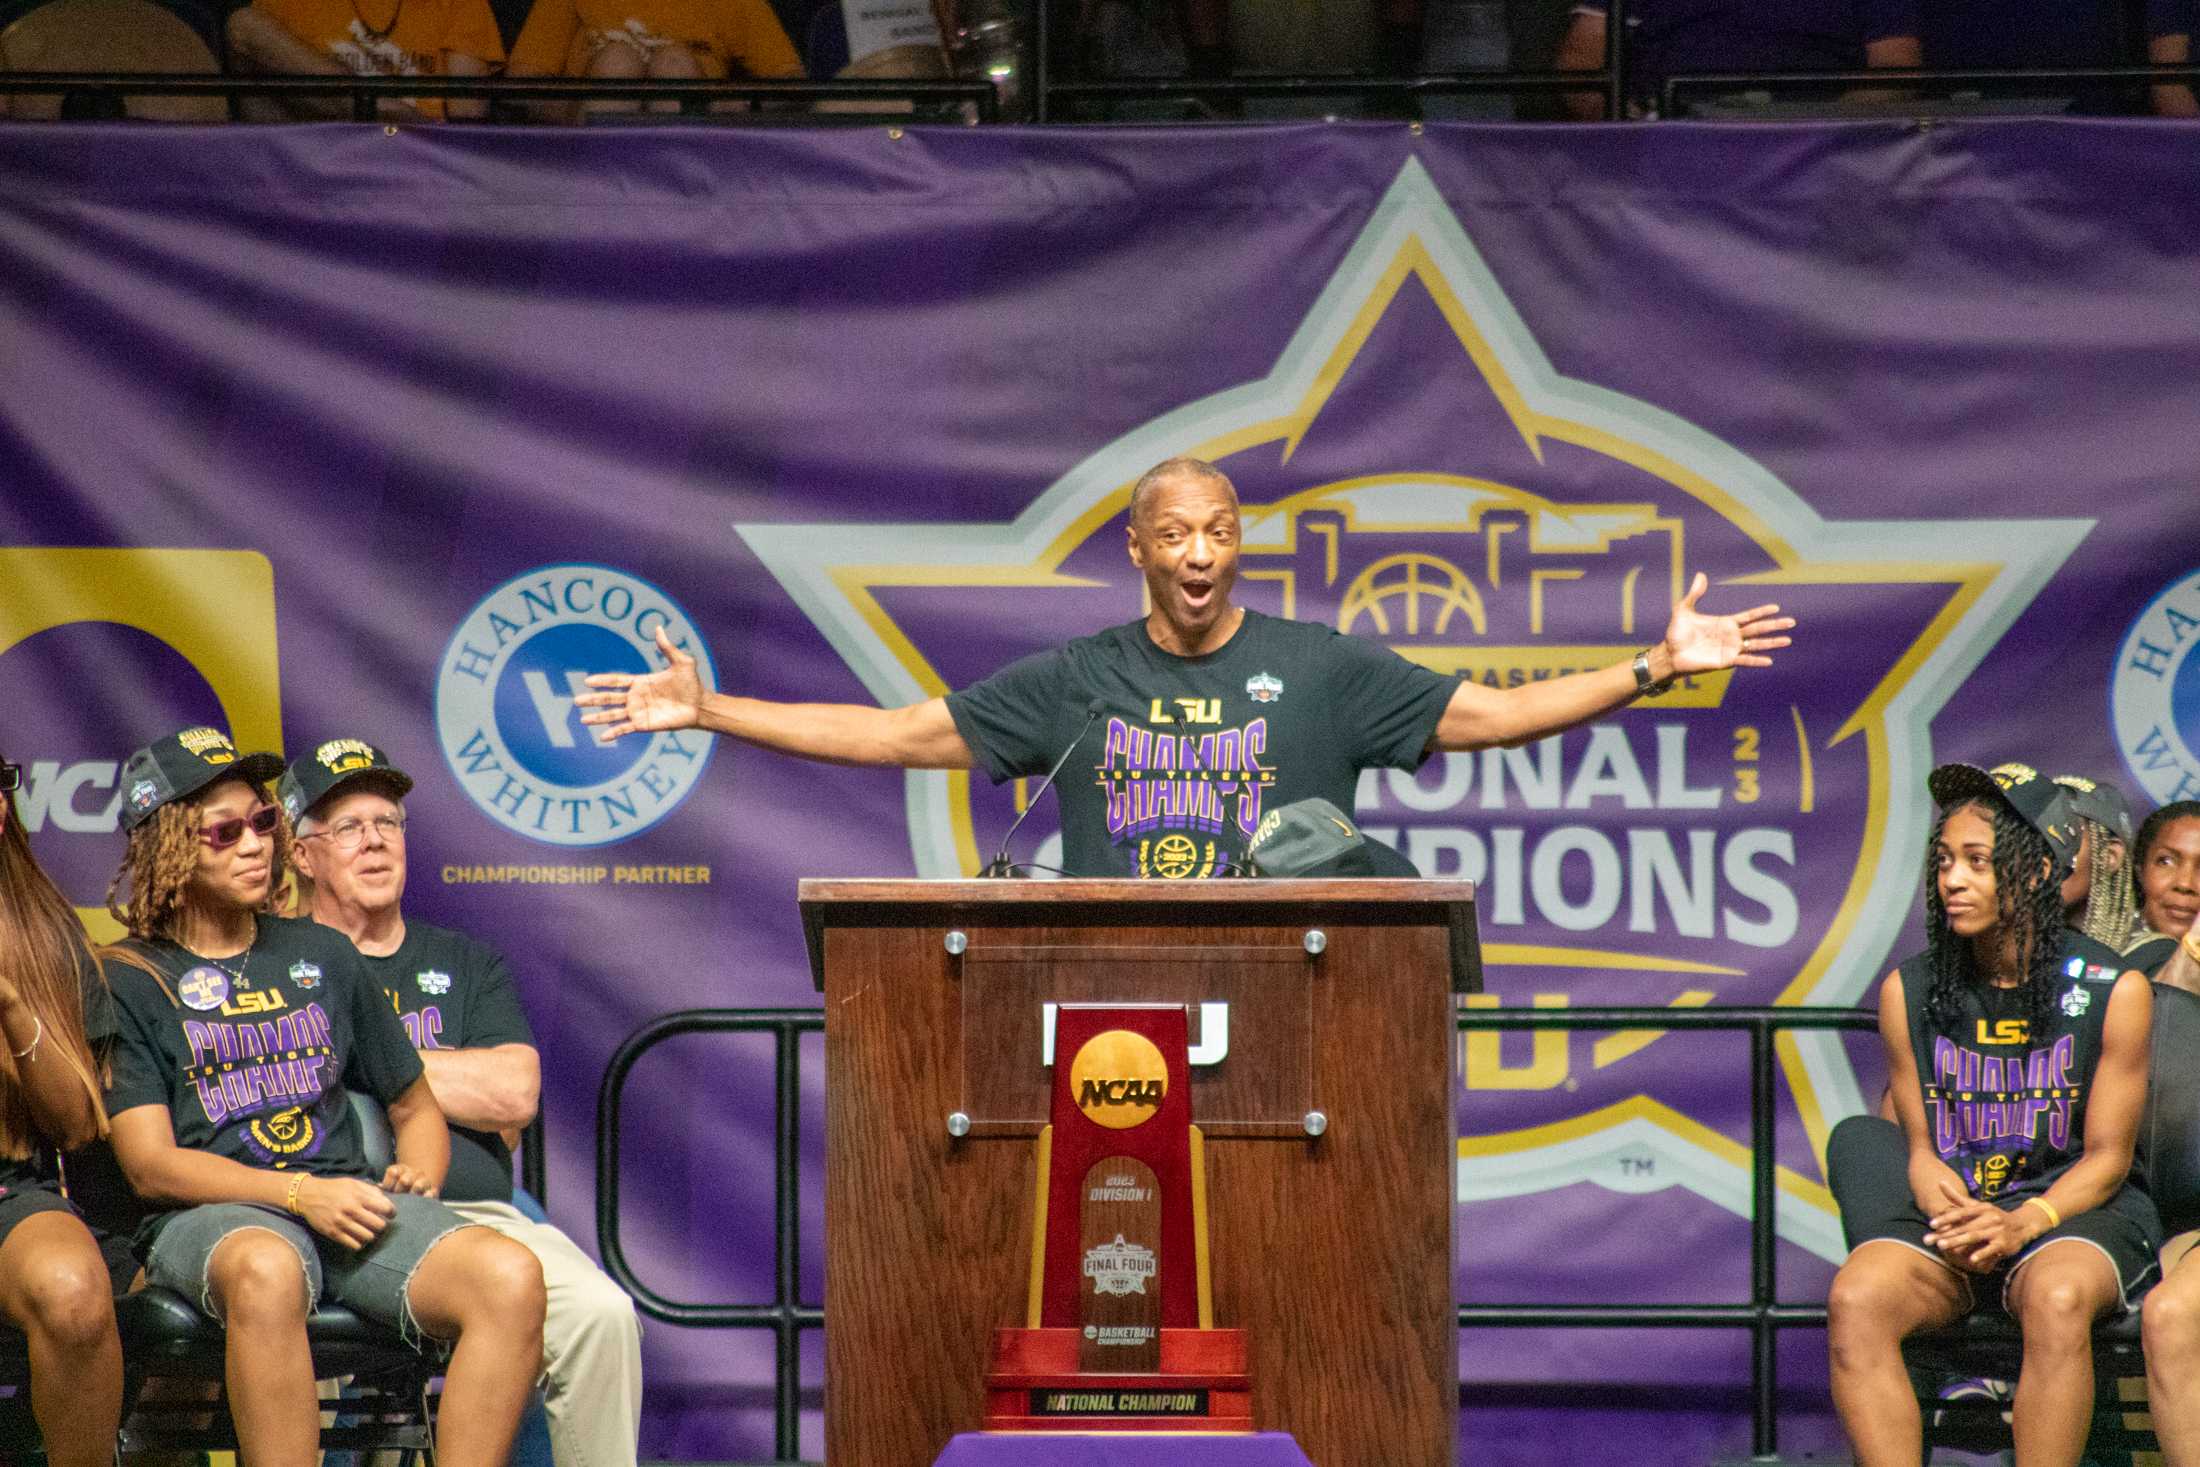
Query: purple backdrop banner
x=345 y=430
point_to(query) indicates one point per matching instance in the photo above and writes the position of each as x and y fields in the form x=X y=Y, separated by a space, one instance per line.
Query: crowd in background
x=1129 y=40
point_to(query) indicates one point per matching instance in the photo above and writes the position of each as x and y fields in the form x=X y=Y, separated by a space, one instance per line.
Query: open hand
x=645 y=702
x=1697 y=642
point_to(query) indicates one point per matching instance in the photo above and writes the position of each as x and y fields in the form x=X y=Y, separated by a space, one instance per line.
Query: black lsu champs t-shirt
x=2007 y=1106
x=252 y=1056
x=1186 y=754
x=452 y=992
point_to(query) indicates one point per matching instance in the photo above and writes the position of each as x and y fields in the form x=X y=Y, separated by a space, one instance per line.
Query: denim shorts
x=373 y=1280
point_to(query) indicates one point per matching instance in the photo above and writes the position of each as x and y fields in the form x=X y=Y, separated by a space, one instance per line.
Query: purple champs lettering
x=240 y=1069
x=1983 y=1103
x=1156 y=780
x=424 y=1029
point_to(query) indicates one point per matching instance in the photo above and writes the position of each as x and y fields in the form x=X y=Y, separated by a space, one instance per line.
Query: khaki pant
x=591 y=1345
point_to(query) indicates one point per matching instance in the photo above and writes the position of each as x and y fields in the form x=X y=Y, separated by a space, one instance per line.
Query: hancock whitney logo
x=505 y=714
x=1416 y=471
x=2154 y=694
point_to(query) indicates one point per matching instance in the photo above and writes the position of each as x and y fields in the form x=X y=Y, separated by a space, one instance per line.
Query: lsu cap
x=2100 y=802
x=331 y=765
x=1313 y=838
x=181 y=765
x=2037 y=800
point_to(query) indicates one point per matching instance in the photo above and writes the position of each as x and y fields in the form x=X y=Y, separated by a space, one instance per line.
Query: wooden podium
x=1323 y=1076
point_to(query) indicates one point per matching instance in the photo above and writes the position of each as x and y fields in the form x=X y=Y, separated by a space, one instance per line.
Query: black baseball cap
x=338 y=762
x=181 y=765
x=2100 y=802
x=1314 y=838
x=2037 y=800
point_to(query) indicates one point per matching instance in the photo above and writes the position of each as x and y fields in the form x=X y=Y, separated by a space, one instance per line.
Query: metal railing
x=976 y=98
x=534 y=1166
x=366 y=93
x=1762 y=1314
x=2012 y=82
x=1049 y=96
x=1047 y=89
x=786 y=1316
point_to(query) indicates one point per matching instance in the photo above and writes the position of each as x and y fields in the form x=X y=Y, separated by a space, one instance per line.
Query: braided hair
x=2111 y=902
x=2029 y=895
x=2150 y=828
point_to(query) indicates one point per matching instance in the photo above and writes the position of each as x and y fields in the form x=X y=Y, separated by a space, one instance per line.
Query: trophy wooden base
x=1035 y=1385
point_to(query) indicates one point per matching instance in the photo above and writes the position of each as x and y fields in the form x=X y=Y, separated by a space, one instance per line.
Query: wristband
x=290 y=1198
x=2054 y=1218
x=1645 y=685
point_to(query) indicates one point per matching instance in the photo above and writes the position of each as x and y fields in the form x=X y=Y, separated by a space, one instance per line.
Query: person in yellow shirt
x=369 y=38
x=635 y=39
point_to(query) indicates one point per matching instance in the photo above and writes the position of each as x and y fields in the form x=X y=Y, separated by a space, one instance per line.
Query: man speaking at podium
x=1198 y=719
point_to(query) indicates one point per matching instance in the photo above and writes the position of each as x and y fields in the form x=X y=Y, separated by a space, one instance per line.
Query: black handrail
x=2004 y=80
x=1763 y=1315
x=365 y=92
x=534 y=1167
x=786 y=1316
x=1328 y=84
x=982 y=99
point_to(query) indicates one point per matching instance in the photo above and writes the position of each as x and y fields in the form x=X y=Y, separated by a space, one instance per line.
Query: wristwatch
x=1646 y=685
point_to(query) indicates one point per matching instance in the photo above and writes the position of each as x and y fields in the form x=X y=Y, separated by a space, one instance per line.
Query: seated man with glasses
x=238 y=1034
x=461 y=1012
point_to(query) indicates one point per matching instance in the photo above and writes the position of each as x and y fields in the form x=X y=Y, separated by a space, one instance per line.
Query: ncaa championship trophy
x=1119 y=1333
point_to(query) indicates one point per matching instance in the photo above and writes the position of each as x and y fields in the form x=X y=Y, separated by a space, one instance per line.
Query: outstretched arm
x=1478 y=717
x=920 y=736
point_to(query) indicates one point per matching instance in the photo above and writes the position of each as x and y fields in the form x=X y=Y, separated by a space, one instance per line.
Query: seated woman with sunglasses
x=236 y=1044
x=54 y=1283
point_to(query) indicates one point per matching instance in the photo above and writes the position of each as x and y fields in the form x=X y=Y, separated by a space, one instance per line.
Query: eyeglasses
x=11 y=776
x=223 y=834
x=348 y=834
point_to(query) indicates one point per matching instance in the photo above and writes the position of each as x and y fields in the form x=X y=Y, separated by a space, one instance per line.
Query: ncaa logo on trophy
x=506 y=720
x=2154 y=694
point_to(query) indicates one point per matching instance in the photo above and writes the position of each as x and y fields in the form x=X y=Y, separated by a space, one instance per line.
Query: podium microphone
x=999 y=865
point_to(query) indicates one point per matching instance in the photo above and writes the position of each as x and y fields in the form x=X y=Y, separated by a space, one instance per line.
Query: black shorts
x=21 y=1201
x=1867 y=1169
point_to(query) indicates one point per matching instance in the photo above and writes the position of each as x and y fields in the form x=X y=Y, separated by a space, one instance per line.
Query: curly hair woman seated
x=239 y=1034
